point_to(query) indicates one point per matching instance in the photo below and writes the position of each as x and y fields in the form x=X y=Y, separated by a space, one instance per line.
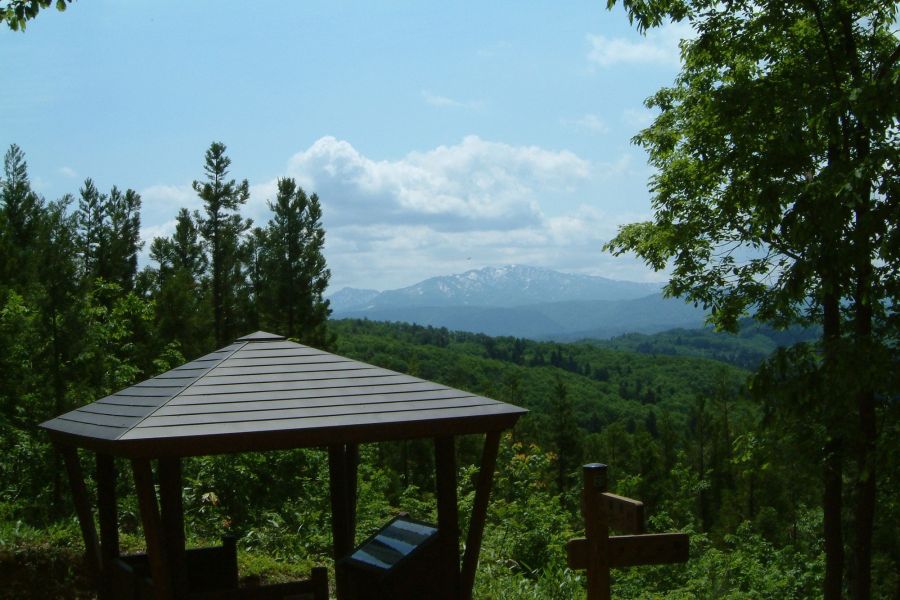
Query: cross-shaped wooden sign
x=598 y=551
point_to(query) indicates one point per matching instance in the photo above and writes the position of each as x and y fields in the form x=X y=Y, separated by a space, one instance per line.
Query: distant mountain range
x=524 y=301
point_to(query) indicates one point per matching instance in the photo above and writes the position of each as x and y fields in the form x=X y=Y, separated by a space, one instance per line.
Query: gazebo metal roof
x=264 y=392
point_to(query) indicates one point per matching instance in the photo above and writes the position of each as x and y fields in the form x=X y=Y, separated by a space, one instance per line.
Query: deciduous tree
x=776 y=194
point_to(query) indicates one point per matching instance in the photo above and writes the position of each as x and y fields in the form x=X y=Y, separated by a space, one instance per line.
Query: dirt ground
x=43 y=573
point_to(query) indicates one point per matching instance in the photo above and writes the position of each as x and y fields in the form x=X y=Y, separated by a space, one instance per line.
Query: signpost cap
x=594 y=467
x=594 y=475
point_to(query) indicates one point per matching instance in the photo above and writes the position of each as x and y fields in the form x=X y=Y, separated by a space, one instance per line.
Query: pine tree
x=90 y=220
x=565 y=433
x=295 y=266
x=254 y=255
x=179 y=287
x=123 y=241
x=58 y=302
x=222 y=228
x=20 y=210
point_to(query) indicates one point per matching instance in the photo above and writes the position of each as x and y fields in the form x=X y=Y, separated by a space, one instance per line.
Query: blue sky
x=439 y=137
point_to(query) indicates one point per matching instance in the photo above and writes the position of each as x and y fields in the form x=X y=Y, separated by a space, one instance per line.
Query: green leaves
x=17 y=13
x=776 y=195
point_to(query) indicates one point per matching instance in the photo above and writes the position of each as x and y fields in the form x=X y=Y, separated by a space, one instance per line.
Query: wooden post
x=596 y=528
x=109 y=519
x=479 y=513
x=83 y=510
x=172 y=520
x=340 y=517
x=598 y=552
x=448 y=514
x=159 y=565
x=352 y=457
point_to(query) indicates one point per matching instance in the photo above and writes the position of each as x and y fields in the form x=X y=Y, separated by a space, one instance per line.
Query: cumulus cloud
x=162 y=202
x=390 y=256
x=392 y=222
x=68 y=172
x=659 y=46
x=473 y=185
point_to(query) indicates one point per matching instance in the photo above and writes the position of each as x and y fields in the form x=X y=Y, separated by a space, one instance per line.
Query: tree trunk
x=832 y=504
x=864 y=511
x=832 y=500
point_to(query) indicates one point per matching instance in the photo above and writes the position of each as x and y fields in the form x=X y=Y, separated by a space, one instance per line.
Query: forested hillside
x=747 y=348
x=684 y=434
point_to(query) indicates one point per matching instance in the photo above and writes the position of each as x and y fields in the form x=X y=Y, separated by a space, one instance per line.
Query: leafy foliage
x=17 y=13
x=775 y=194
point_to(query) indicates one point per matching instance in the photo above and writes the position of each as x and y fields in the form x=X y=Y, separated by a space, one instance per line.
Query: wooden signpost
x=598 y=551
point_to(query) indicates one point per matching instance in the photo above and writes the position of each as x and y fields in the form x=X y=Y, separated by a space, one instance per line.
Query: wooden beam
x=596 y=529
x=479 y=513
x=172 y=520
x=448 y=514
x=625 y=515
x=159 y=565
x=83 y=510
x=633 y=550
x=108 y=515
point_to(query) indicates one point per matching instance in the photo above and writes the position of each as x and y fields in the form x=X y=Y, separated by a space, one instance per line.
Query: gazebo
x=264 y=392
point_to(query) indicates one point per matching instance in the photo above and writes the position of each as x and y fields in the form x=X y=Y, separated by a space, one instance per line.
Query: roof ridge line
x=151 y=413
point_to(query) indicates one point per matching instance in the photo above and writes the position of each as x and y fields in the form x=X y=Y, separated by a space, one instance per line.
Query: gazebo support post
x=172 y=517
x=82 y=509
x=159 y=566
x=448 y=513
x=108 y=515
x=342 y=468
x=479 y=513
x=352 y=490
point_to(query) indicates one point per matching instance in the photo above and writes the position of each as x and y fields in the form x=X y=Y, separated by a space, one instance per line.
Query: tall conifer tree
x=20 y=211
x=297 y=275
x=222 y=227
x=123 y=242
x=90 y=220
x=180 y=292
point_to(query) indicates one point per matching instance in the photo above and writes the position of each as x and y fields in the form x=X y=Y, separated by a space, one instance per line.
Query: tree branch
x=886 y=67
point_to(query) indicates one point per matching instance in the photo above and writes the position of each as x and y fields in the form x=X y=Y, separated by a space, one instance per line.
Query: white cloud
x=160 y=203
x=474 y=185
x=445 y=102
x=68 y=172
x=391 y=256
x=391 y=223
x=589 y=123
x=659 y=46
x=476 y=203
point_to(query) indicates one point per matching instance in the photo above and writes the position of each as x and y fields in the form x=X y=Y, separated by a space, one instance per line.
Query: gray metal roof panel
x=262 y=385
